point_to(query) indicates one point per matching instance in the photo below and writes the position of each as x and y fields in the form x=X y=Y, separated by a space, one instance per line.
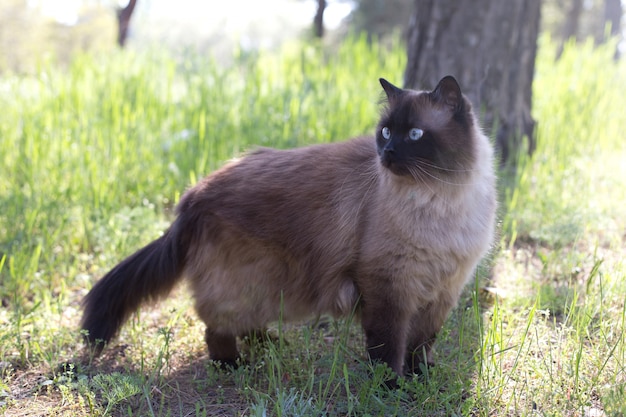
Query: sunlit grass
x=94 y=159
x=561 y=267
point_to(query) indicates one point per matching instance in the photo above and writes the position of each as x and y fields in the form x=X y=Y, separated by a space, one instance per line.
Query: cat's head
x=427 y=136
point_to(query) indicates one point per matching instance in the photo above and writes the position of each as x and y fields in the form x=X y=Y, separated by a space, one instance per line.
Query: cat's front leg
x=222 y=347
x=385 y=329
x=419 y=349
x=424 y=326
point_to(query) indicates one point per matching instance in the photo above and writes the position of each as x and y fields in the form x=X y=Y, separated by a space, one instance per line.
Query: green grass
x=94 y=159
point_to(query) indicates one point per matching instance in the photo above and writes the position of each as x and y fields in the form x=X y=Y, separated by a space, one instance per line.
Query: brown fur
x=389 y=229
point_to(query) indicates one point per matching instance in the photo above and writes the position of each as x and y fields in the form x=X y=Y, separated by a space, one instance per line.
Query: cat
x=389 y=228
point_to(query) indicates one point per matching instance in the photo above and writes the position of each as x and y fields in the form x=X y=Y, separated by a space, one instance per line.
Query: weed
x=95 y=158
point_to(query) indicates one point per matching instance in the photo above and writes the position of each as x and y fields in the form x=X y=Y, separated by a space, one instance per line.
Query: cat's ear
x=448 y=93
x=391 y=90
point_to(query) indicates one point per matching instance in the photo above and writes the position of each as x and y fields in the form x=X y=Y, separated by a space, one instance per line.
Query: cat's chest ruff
x=436 y=222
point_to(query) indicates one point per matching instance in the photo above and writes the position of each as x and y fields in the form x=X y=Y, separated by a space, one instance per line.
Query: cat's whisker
x=440 y=168
x=417 y=174
x=433 y=176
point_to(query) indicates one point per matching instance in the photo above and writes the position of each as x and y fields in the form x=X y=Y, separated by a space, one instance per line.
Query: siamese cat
x=390 y=227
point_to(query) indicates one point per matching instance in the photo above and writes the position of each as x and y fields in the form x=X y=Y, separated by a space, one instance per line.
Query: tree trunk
x=123 y=22
x=572 y=22
x=318 y=21
x=613 y=18
x=613 y=15
x=490 y=47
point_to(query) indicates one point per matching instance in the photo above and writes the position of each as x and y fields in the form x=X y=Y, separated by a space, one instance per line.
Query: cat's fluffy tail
x=148 y=274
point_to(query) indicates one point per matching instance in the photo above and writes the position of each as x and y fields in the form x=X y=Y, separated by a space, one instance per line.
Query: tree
x=379 y=18
x=613 y=20
x=318 y=21
x=613 y=16
x=579 y=20
x=123 y=19
x=490 y=47
x=572 y=22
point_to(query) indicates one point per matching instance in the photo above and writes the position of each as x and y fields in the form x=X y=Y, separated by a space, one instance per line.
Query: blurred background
x=32 y=31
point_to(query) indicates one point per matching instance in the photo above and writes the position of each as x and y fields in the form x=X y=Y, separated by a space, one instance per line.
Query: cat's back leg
x=222 y=347
x=385 y=326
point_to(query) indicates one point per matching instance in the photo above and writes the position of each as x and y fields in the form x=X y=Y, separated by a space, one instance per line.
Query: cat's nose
x=388 y=149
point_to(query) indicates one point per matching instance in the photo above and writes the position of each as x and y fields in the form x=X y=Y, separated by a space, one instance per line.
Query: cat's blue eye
x=386 y=133
x=415 y=133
